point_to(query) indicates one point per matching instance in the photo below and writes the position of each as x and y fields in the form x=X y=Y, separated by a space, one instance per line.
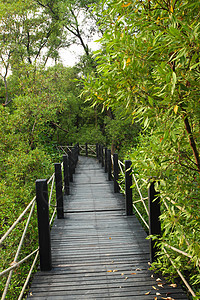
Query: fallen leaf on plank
x=154 y=287
x=133 y=273
x=158 y=279
x=173 y=285
x=148 y=293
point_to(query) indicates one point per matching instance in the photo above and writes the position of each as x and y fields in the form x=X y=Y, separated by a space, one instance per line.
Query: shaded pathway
x=97 y=251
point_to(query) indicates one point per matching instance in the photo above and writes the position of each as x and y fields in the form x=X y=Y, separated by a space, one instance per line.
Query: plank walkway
x=97 y=251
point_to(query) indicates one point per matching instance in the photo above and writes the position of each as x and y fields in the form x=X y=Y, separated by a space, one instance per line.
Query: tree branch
x=55 y=124
x=192 y=141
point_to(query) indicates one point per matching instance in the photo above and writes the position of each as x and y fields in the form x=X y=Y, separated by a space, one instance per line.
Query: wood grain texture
x=97 y=251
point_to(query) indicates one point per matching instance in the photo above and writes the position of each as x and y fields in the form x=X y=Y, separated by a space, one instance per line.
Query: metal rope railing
x=121 y=182
x=15 y=263
x=92 y=151
x=139 y=189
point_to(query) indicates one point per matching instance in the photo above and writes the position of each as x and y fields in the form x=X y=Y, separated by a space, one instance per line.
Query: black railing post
x=78 y=149
x=70 y=166
x=102 y=157
x=109 y=164
x=75 y=156
x=43 y=225
x=59 y=192
x=100 y=153
x=97 y=150
x=73 y=160
x=128 y=189
x=154 y=219
x=66 y=173
x=106 y=161
x=86 y=149
x=116 y=172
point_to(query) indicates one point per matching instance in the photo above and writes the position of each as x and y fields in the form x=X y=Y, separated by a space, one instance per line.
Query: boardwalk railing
x=147 y=207
x=49 y=200
x=124 y=181
x=86 y=149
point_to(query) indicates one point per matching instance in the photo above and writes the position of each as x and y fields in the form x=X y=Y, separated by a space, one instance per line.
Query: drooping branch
x=4 y=77
x=56 y=125
x=192 y=142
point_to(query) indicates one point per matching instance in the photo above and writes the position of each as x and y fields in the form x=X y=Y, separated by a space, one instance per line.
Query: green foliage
x=149 y=67
x=91 y=135
x=121 y=132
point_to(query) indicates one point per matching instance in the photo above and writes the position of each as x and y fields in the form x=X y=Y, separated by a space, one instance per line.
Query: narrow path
x=97 y=251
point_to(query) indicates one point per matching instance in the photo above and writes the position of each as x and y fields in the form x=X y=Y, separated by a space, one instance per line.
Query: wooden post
x=106 y=161
x=66 y=173
x=77 y=151
x=70 y=166
x=78 y=148
x=154 y=219
x=109 y=164
x=116 y=172
x=128 y=190
x=100 y=153
x=73 y=157
x=102 y=157
x=86 y=149
x=97 y=150
x=43 y=225
x=59 y=193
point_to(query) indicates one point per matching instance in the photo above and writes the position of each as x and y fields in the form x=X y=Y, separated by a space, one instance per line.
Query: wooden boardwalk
x=97 y=251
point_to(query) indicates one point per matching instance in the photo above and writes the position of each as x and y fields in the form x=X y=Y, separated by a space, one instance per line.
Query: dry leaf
x=133 y=273
x=115 y=270
x=160 y=285
x=138 y=269
x=122 y=274
x=126 y=278
x=155 y=298
x=152 y=276
x=31 y=294
x=128 y=61
x=176 y=109
x=173 y=285
x=158 y=294
x=148 y=293
x=158 y=279
x=154 y=287
x=110 y=238
x=126 y=5
x=109 y=271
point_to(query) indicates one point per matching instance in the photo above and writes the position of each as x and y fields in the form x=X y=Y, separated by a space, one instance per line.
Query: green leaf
x=173 y=82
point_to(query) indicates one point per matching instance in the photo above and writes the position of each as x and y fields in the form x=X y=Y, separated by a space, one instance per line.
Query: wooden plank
x=97 y=251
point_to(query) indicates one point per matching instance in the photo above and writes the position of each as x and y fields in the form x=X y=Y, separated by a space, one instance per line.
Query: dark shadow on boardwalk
x=97 y=251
